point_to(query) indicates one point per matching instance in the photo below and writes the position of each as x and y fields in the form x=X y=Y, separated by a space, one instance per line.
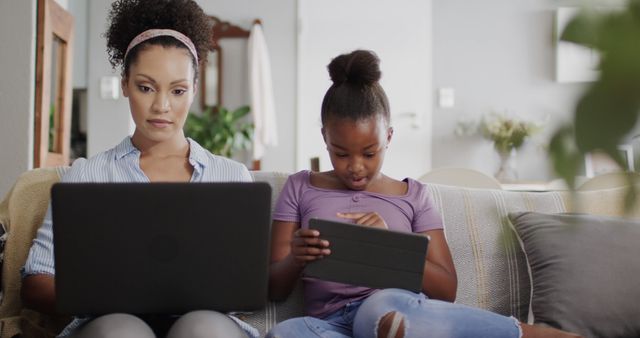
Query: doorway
x=399 y=32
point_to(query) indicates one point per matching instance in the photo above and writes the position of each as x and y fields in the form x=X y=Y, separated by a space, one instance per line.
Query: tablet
x=369 y=256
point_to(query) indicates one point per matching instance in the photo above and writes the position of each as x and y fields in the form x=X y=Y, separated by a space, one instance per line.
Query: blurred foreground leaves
x=608 y=111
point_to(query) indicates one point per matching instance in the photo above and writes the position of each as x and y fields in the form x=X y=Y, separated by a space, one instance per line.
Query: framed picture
x=598 y=163
x=574 y=62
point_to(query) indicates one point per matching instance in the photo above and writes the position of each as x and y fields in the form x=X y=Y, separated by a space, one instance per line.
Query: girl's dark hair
x=355 y=93
x=128 y=18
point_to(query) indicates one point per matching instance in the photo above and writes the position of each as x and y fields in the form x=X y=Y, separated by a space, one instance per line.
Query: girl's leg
x=307 y=327
x=205 y=324
x=539 y=331
x=336 y=325
x=117 y=325
x=400 y=313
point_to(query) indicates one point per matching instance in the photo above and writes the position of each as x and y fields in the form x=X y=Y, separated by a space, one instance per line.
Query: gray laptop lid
x=160 y=247
x=368 y=256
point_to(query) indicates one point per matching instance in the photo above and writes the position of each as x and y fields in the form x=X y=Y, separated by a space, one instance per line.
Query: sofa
x=493 y=268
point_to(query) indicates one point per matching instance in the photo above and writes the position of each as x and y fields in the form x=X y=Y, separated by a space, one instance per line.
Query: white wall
x=17 y=66
x=108 y=121
x=80 y=11
x=497 y=54
x=405 y=62
x=279 y=25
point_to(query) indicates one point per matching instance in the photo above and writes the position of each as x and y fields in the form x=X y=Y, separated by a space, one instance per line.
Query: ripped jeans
x=415 y=316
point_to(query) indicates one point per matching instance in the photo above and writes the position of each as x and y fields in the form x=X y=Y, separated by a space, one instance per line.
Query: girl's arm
x=439 y=280
x=291 y=249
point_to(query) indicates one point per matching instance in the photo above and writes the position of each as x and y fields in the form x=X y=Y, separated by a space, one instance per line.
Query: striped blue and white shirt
x=122 y=164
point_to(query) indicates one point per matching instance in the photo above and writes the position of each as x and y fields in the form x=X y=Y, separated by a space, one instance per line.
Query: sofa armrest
x=22 y=212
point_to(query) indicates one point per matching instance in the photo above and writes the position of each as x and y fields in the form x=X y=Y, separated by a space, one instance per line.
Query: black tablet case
x=368 y=256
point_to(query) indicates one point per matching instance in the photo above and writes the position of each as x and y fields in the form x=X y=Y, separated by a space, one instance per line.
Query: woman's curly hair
x=128 y=18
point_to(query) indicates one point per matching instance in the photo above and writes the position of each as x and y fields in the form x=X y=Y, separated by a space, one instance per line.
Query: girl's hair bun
x=360 y=67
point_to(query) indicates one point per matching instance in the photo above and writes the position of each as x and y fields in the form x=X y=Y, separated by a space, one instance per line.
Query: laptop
x=369 y=256
x=160 y=248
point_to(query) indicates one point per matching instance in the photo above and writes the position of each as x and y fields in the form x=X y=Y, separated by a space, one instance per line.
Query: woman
x=159 y=45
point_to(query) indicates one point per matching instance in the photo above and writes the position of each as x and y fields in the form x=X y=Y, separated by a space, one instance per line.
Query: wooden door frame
x=53 y=20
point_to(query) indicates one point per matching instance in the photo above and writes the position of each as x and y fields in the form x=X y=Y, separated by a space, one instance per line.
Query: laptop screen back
x=160 y=247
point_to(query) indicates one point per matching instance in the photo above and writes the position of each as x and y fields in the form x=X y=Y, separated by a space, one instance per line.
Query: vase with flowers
x=508 y=134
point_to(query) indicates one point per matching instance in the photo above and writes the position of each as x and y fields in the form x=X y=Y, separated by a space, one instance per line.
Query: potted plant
x=220 y=130
x=508 y=134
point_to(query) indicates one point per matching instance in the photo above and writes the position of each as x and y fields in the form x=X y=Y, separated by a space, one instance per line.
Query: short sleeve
x=288 y=205
x=426 y=217
x=245 y=176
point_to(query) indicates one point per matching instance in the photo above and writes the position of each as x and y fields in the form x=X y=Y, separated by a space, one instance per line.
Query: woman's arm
x=38 y=293
x=439 y=280
x=291 y=249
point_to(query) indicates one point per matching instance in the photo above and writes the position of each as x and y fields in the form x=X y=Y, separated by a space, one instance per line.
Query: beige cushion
x=491 y=266
x=608 y=202
x=460 y=177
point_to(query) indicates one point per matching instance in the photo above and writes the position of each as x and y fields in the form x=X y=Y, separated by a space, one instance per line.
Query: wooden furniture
x=53 y=85
x=211 y=77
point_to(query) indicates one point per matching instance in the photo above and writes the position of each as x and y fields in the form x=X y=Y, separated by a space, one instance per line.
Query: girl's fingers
x=306 y=233
x=350 y=215
x=308 y=259
x=311 y=251
x=317 y=242
x=369 y=219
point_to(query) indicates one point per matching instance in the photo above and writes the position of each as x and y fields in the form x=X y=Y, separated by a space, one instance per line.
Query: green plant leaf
x=584 y=28
x=608 y=111
x=220 y=130
x=565 y=155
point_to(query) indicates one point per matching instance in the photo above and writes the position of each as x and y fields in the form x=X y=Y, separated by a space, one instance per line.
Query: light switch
x=446 y=97
x=109 y=87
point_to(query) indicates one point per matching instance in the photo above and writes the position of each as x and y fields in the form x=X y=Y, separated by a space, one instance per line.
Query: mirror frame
x=221 y=30
x=53 y=20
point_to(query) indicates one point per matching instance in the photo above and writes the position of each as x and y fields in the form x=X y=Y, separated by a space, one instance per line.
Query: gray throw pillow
x=585 y=272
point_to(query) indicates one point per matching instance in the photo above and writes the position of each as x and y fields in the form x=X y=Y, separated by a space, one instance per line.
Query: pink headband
x=152 y=33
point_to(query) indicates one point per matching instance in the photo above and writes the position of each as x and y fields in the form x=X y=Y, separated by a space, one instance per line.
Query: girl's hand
x=368 y=218
x=306 y=246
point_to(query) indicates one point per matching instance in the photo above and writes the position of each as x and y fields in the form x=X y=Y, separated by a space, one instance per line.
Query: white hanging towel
x=261 y=91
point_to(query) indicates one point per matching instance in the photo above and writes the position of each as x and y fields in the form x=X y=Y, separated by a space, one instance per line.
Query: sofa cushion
x=491 y=266
x=585 y=271
x=607 y=202
x=293 y=306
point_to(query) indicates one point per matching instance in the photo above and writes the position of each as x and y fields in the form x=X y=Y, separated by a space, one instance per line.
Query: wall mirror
x=53 y=85
x=212 y=76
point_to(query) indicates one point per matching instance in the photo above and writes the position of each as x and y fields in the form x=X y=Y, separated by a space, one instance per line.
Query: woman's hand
x=365 y=218
x=306 y=246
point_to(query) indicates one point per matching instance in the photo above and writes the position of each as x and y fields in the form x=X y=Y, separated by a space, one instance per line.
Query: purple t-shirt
x=299 y=201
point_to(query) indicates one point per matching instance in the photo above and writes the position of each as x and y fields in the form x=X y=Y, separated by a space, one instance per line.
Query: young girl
x=355 y=128
x=160 y=45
